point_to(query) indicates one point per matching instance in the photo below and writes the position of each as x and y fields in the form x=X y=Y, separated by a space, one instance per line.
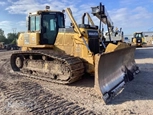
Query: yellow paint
x=71 y=44
x=30 y=40
x=112 y=47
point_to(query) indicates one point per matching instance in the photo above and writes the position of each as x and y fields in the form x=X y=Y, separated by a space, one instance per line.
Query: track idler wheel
x=16 y=62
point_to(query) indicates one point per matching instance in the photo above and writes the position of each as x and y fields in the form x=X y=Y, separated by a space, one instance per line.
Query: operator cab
x=47 y=23
x=138 y=35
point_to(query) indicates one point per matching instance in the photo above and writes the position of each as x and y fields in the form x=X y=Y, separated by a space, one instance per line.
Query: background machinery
x=51 y=52
x=110 y=35
x=138 y=39
x=1 y=45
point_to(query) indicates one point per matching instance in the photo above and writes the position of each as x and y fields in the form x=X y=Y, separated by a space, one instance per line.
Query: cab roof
x=42 y=11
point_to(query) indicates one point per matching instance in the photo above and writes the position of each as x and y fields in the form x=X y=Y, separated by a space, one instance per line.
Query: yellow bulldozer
x=52 y=52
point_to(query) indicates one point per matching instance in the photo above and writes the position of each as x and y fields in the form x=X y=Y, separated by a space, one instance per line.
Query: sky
x=131 y=15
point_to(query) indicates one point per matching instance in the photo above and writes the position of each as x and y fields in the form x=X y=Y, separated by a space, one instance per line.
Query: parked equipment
x=1 y=45
x=54 y=53
x=11 y=47
x=114 y=35
x=138 y=39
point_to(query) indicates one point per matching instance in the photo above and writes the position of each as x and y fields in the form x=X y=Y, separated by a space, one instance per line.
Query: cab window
x=34 y=23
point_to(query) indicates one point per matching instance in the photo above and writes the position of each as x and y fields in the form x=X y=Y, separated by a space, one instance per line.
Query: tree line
x=10 y=39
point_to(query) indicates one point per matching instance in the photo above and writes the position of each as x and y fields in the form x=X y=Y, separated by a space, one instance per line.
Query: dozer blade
x=113 y=70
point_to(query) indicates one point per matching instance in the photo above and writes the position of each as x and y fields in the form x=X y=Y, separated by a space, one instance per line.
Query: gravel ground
x=21 y=96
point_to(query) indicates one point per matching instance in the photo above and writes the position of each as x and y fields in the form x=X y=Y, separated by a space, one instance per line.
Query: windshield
x=138 y=35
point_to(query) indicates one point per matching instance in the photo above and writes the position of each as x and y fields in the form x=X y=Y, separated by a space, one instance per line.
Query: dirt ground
x=24 y=96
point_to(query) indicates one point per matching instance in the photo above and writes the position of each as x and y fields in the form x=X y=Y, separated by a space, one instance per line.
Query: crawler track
x=34 y=100
x=48 y=65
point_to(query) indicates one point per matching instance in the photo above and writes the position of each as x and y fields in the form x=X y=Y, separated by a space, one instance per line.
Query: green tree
x=11 y=37
x=13 y=42
x=1 y=32
x=2 y=36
